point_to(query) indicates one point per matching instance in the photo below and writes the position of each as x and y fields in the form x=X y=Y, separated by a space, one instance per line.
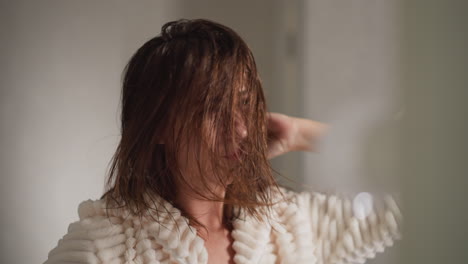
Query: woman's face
x=227 y=151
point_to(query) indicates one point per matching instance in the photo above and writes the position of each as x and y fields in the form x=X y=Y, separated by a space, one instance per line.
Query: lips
x=232 y=156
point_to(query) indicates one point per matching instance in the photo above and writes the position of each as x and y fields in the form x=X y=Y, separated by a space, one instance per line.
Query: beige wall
x=434 y=132
x=350 y=80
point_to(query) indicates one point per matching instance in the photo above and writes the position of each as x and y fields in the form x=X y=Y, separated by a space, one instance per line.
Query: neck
x=208 y=213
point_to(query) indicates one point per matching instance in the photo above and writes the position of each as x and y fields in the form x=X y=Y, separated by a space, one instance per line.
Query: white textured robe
x=308 y=228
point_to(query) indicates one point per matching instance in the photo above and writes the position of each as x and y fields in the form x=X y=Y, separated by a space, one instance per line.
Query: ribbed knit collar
x=180 y=239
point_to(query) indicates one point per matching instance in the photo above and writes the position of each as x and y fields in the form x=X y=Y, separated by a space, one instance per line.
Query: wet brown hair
x=176 y=85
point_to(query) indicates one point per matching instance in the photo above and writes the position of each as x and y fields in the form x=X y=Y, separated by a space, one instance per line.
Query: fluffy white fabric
x=307 y=228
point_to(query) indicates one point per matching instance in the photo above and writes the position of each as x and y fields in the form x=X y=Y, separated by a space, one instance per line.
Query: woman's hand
x=287 y=133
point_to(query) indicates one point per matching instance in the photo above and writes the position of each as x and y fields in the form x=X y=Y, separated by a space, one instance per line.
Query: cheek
x=191 y=152
x=217 y=139
x=212 y=137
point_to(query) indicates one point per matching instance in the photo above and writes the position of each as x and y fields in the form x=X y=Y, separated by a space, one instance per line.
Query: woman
x=190 y=181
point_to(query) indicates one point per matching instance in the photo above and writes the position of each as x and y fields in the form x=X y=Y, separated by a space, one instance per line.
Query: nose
x=241 y=129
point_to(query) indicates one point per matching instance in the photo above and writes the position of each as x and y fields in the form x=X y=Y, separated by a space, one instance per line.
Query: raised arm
x=288 y=133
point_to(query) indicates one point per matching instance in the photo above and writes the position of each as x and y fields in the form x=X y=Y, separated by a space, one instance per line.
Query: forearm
x=288 y=133
x=308 y=133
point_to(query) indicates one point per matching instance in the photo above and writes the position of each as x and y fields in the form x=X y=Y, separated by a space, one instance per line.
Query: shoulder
x=91 y=239
x=348 y=228
x=108 y=235
x=360 y=206
x=301 y=200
